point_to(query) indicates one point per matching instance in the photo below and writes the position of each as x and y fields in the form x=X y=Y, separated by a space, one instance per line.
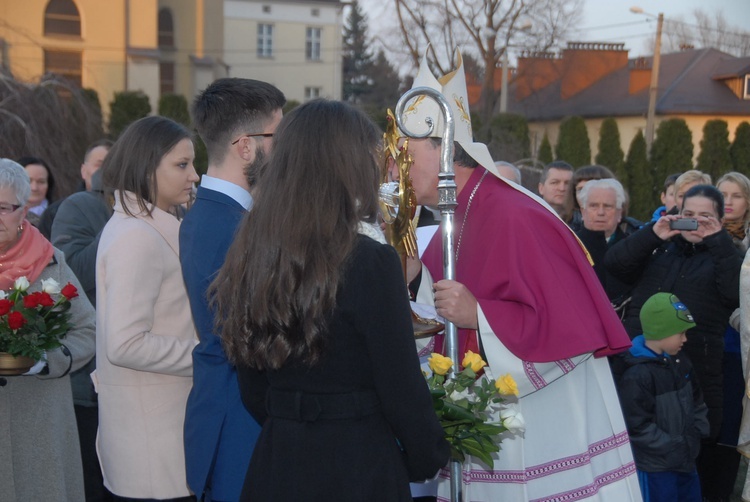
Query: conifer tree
x=370 y=82
x=384 y=92
x=642 y=191
x=714 y=158
x=672 y=150
x=175 y=107
x=127 y=107
x=610 y=152
x=573 y=145
x=545 y=151
x=740 y=149
x=357 y=59
x=509 y=137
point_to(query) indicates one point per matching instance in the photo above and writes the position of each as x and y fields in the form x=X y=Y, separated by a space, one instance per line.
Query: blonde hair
x=743 y=182
x=691 y=176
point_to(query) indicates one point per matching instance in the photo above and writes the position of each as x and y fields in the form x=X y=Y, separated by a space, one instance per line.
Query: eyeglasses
x=254 y=135
x=8 y=208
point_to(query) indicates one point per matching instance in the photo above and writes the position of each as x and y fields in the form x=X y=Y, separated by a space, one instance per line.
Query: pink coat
x=144 y=342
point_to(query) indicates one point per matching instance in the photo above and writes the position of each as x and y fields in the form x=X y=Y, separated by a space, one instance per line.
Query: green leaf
x=473 y=448
x=491 y=429
x=453 y=412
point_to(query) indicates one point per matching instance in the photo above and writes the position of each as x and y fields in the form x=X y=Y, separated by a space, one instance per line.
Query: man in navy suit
x=236 y=119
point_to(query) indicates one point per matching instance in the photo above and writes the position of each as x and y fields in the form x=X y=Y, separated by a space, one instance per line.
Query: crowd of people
x=251 y=338
x=701 y=267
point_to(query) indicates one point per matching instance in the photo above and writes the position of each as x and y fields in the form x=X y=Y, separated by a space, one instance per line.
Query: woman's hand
x=707 y=225
x=455 y=303
x=661 y=227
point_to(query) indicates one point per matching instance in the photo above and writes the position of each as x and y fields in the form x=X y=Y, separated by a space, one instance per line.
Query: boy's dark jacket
x=663 y=408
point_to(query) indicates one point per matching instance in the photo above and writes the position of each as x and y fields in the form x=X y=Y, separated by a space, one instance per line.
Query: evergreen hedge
x=610 y=152
x=643 y=199
x=573 y=145
x=714 y=157
x=740 y=149
x=545 y=151
x=127 y=107
x=672 y=150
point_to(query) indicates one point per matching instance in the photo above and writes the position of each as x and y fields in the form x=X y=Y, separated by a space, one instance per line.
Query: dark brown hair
x=460 y=156
x=711 y=193
x=132 y=161
x=281 y=275
x=27 y=161
x=230 y=107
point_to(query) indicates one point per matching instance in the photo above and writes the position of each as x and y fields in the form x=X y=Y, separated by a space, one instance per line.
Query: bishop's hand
x=455 y=303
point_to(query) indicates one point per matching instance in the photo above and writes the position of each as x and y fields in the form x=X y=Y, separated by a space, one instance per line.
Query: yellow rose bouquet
x=464 y=404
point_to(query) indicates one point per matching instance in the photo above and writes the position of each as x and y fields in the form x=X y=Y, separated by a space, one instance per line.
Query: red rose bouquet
x=33 y=322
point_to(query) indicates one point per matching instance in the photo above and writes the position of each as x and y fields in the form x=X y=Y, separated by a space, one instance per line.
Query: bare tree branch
x=483 y=29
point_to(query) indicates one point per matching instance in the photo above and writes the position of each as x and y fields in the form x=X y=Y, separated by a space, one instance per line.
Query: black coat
x=359 y=425
x=597 y=246
x=705 y=277
x=663 y=409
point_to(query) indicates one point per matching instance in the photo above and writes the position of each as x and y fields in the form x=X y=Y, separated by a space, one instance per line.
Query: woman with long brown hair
x=313 y=308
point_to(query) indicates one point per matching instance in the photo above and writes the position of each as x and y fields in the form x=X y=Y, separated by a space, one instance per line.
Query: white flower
x=21 y=284
x=513 y=419
x=456 y=396
x=50 y=286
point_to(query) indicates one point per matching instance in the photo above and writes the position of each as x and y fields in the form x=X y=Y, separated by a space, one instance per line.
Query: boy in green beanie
x=663 y=407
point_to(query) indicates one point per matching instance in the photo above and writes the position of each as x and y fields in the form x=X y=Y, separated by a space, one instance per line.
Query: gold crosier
x=399 y=220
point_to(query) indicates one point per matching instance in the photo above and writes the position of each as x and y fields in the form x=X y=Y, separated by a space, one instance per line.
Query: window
x=746 y=94
x=166 y=78
x=265 y=40
x=315 y=12
x=166 y=28
x=312 y=92
x=61 y=17
x=312 y=44
x=67 y=64
x=266 y=9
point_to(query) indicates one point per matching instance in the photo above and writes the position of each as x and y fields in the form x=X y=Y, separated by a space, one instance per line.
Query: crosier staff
x=447 y=204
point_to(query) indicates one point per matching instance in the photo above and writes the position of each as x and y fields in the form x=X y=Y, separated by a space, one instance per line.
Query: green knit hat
x=664 y=315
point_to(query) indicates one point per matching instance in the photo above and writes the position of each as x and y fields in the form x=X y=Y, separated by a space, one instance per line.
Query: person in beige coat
x=145 y=333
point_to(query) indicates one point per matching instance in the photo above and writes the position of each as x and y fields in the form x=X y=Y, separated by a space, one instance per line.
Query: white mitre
x=453 y=87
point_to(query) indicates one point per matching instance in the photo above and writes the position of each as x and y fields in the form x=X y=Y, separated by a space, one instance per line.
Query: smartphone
x=684 y=224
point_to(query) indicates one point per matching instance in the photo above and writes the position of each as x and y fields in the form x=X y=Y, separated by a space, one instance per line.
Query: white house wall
x=288 y=68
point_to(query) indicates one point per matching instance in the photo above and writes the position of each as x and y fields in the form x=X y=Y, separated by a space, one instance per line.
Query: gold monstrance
x=398 y=206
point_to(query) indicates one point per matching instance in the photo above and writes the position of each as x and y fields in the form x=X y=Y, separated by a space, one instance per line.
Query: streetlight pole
x=652 y=91
x=504 y=78
x=504 y=86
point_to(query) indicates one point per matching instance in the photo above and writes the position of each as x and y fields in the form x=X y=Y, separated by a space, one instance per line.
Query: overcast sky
x=603 y=20
x=612 y=21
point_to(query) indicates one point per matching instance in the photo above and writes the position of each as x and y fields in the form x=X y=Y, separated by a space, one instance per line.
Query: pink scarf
x=28 y=257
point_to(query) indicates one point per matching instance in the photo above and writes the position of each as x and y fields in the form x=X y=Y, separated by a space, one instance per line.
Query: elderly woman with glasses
x=38 y=434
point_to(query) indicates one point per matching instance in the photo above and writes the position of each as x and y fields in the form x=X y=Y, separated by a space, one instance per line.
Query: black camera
x=684 y=224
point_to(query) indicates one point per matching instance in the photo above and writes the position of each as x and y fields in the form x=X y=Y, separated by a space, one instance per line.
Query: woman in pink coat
x=145 y=332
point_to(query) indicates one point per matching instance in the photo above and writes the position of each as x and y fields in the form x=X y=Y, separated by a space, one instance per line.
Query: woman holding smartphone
x=145 y=333
x=701 y=267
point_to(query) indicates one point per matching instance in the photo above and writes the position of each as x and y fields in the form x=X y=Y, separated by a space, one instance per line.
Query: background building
x=597 y=80
x=175 y=46
x=295 y=45
x=156 y=46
